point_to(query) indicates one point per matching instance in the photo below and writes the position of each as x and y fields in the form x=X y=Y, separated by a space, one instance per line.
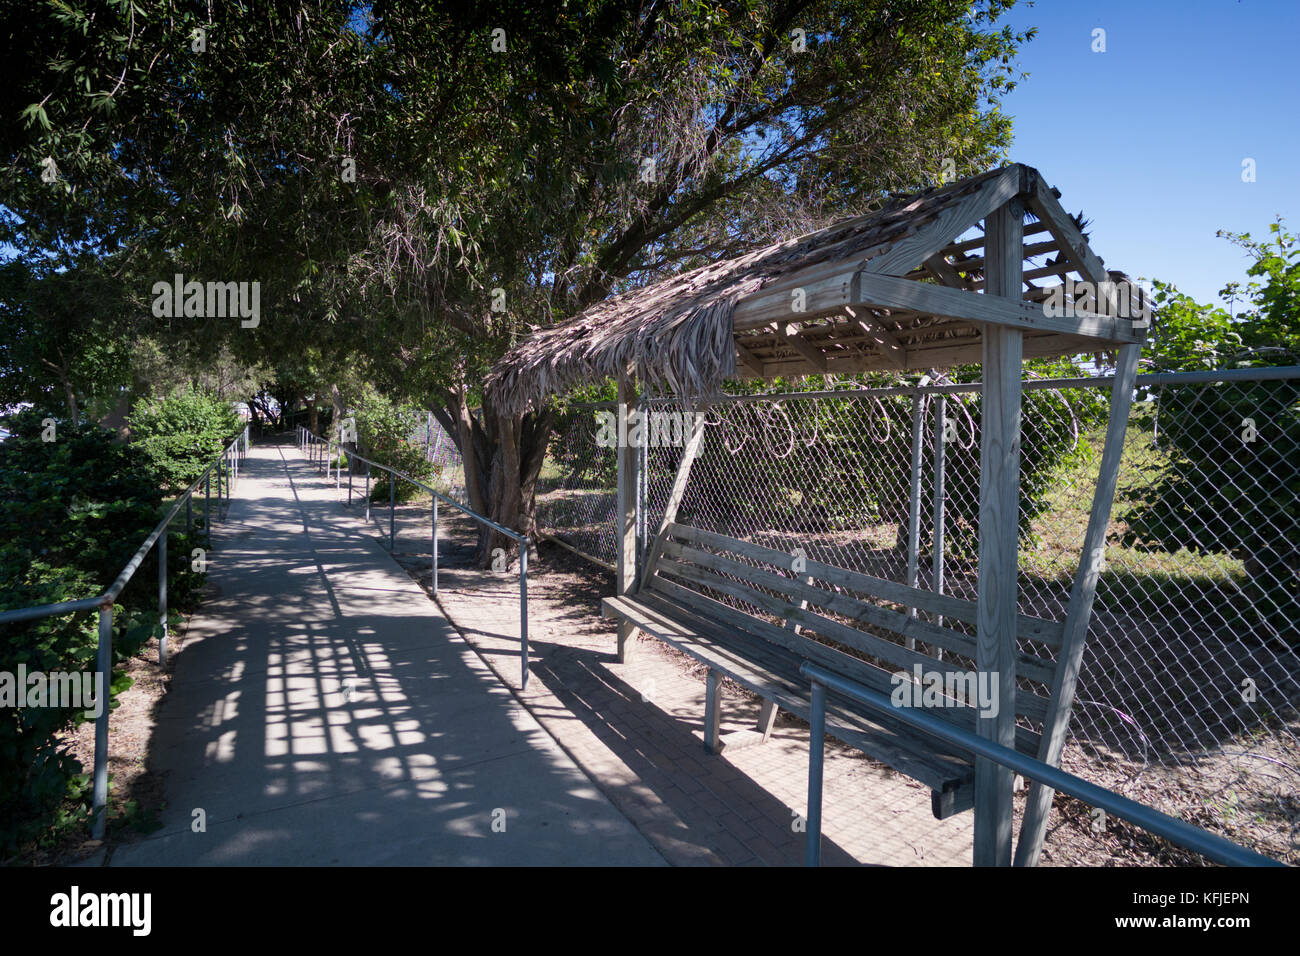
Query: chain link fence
x=1189 y=693
x=441 y=452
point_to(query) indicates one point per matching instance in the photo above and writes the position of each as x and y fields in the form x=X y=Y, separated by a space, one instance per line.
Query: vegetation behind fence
x=1190 y=685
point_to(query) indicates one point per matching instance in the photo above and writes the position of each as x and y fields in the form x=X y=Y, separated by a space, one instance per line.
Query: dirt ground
x=136 y=792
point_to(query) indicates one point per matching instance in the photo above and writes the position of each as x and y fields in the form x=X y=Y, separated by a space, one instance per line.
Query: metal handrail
x=1209 y=845
x=306 y=438
x=229 y=458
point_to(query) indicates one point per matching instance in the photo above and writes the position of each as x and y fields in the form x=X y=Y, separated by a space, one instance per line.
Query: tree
x=431 y=182
x=62 y=336
x=609 y=145
x=1231 y=482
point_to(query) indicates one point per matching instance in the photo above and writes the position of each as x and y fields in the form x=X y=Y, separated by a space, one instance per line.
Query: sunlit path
x=324 y=712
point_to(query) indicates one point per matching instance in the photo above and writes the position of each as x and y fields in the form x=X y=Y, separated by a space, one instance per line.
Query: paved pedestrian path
x=324 y=712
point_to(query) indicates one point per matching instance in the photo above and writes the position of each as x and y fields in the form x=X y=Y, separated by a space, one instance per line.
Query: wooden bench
x=743 y=611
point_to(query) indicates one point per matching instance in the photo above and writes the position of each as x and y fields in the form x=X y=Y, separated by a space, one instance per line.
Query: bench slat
x=865 y=673
x=1030 y=666
x=1030 y=628
x=1028 y=704
x=893 y=744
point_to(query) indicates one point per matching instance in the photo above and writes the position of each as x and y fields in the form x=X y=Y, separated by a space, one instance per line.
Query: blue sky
x=1148 y=137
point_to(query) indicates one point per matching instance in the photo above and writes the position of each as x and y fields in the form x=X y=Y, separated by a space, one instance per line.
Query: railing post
x=523 y=614
x=162 y=596
x=392 y=510
x=338 y=468
x=642 y=479
x=914 y=505
x=940 y=506
x=207 y=503
x=104 y=669
x=816 y=770
x=367 y=492
x=349 y=482
x=434 y=561
x=189 y=517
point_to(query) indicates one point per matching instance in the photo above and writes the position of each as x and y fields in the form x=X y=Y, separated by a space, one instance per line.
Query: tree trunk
x=503 y=457
x=69 y=394
x=313 y=416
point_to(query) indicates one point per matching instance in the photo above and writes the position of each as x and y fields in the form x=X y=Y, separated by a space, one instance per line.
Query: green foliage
x=382 y=190
x=72 y=512
x=844 y=463
x=181 y=434
x=384 y=430
x=1231 y=484
x=62 y=335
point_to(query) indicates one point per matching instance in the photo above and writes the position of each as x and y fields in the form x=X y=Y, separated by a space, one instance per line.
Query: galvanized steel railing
x=319 y=449
x=225 y=468
x=1209 y=845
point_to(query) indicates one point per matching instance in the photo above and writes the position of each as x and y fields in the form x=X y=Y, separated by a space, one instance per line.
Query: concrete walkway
x=324 y=712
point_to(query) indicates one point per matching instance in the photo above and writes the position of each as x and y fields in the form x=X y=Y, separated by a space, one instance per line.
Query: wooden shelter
x=967 y=273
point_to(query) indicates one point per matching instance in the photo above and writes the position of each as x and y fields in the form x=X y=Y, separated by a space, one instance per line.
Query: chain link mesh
x=1190 y=683
x=440 y=451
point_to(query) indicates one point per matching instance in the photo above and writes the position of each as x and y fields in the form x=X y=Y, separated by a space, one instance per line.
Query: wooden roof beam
x=1031 y=229
x=791 y=337
x=910 y=251
x=891 y=292
x=886 y=344
x=1046 y=206
x=749 y=359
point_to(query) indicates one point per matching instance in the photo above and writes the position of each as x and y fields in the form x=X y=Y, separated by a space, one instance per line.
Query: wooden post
x=1091 y=561
x=675 y=495
x=625 y=515
x=995 y=651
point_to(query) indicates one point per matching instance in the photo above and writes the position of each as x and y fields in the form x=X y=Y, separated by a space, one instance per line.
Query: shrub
x=181 y=435
x=72 y=512
x=384 y=433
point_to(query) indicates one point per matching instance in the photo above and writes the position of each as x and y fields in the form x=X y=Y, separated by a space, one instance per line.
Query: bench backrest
x=821 y=606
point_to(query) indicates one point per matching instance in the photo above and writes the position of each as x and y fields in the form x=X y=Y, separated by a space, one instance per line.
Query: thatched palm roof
x=687 y=333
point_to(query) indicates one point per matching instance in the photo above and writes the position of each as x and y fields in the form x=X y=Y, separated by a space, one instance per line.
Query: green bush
x=73 y=510
x=181 y=435
x=1231 y=484
x=384 y=431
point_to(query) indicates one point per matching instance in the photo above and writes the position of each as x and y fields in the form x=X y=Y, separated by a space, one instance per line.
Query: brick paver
x=637 y=730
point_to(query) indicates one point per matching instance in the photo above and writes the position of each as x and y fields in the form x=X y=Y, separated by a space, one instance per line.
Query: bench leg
x=766 y=718
x=737 y=739
x=713 y=712
x=626 y=634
